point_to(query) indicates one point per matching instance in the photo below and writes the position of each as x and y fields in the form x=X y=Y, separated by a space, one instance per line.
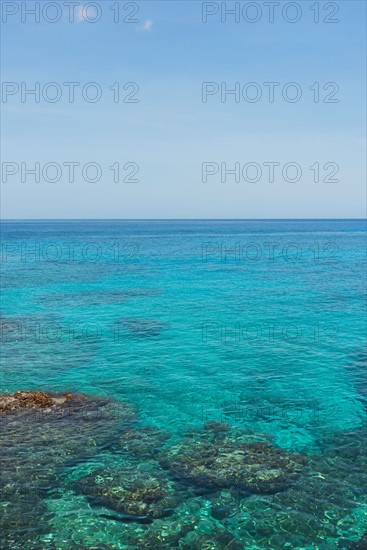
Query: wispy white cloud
x=85 y=12
x=78 y=13
x=147 y=26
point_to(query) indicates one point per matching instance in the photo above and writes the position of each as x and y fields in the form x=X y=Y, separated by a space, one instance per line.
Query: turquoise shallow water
x=259 y=324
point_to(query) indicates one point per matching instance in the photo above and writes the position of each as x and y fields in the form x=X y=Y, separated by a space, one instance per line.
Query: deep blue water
x=260 y=324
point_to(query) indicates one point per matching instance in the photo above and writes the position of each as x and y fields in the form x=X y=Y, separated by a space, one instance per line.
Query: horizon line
x=172 y=219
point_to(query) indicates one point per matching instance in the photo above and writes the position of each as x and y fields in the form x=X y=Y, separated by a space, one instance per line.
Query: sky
x=156 y=136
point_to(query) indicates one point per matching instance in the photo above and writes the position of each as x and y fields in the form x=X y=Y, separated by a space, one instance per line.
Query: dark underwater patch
x=135 y=328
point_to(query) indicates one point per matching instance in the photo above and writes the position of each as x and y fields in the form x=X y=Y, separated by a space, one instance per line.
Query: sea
x=254 y=326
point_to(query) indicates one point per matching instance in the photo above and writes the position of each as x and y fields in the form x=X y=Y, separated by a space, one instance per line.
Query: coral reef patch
x=207 y=460
x=129 y=491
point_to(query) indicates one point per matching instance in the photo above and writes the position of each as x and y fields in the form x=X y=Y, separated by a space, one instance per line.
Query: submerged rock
x=320 y=510
x=128 y=491
x=46 y=406
x=222 y=462
x=361 y=544
x=20 y=519
x=31 y=400
x=42 y=430
x=41 y=433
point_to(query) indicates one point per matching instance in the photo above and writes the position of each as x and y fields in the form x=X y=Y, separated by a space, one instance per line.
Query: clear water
x=261 y=324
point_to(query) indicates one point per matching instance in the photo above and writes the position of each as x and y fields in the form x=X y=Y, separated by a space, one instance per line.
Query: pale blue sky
x=170 y=132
